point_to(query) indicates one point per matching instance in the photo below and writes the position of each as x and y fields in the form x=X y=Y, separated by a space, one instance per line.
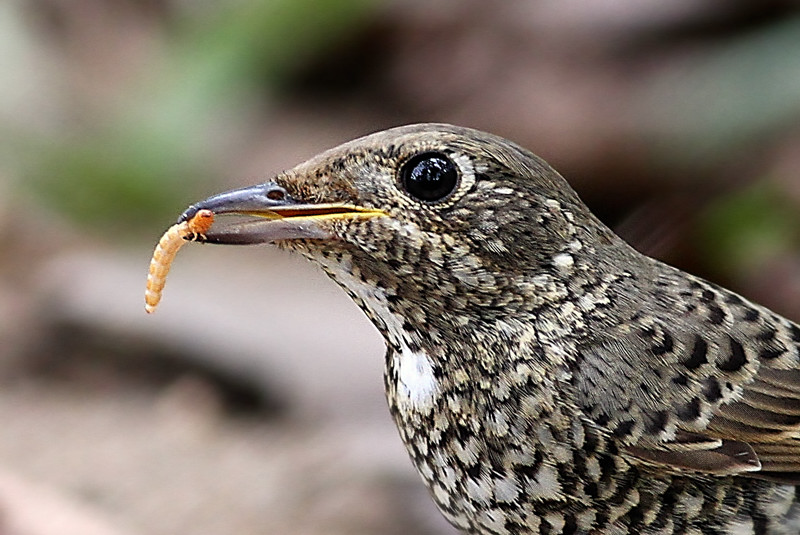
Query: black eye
x=429 y=176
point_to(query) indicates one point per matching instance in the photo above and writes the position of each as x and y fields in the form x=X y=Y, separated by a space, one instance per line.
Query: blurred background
x=252 y=402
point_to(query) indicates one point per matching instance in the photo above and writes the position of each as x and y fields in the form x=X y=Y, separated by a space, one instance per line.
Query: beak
x=267 y=213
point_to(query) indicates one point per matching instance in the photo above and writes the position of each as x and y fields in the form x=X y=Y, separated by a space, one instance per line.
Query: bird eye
x=429 y=177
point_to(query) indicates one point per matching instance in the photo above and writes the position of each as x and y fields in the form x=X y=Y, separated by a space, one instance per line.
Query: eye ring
x=429 y=177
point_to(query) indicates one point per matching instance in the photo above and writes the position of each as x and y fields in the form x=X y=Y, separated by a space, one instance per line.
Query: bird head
x=441 y=218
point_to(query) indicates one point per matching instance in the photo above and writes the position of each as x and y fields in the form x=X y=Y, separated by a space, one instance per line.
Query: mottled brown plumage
x=544 y=376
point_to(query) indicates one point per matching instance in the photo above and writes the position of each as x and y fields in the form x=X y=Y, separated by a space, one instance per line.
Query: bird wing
x=766 y=416
x=713 y=387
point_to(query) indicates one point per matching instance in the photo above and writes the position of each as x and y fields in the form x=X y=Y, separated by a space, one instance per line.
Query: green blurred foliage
x=727 y=95
x=145 y=162
x=726 y=101
x=744 y=231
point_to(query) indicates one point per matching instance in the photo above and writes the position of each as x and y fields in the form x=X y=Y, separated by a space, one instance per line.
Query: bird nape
x=545 y=377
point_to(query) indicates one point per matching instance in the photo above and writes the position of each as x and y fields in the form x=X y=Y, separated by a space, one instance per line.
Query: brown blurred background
x=252 y=403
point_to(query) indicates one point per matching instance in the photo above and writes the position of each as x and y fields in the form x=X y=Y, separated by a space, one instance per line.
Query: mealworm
x=164 y=254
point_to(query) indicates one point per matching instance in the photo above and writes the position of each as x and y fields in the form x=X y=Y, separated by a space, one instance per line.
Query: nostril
x=276 y=195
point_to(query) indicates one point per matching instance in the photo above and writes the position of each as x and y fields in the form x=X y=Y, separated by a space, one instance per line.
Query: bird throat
x=415 y=382
x=410 y=371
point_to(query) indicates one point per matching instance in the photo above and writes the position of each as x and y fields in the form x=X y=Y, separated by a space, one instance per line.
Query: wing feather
x=712 y=388
x=772 y=400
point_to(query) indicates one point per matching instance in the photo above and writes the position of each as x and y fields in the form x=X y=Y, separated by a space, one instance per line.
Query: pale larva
x=168 y=246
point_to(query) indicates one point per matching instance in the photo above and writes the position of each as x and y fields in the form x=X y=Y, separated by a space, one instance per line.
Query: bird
x=544 y=376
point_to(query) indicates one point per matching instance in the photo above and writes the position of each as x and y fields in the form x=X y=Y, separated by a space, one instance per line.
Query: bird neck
x=480 y=330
